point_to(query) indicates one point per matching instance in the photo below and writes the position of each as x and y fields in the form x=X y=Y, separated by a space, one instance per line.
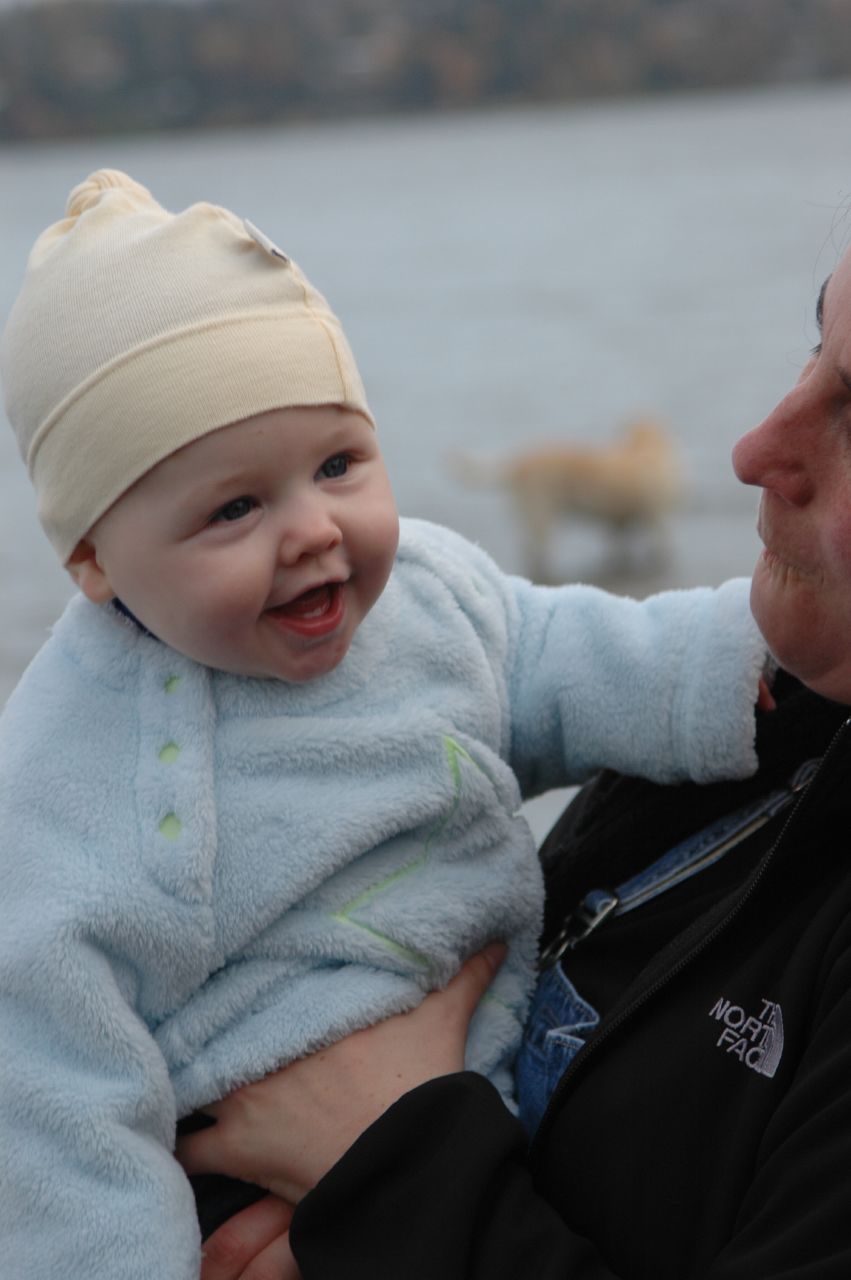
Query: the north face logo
x=757 y=1041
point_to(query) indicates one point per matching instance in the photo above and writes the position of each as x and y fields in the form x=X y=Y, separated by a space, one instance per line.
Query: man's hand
x=286 y=1131
x=253 y=1245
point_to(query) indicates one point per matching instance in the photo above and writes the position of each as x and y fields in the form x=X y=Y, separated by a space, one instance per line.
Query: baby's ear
x=84 y=568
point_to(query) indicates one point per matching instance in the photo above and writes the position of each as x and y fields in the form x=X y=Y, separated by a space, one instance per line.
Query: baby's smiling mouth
x=315 y=612
x=310 y=604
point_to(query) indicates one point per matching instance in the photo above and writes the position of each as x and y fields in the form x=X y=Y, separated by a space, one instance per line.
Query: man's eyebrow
x=820 y=304
x=845 y=375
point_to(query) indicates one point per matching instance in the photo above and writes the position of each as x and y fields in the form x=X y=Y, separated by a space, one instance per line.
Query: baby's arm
x=86 y=1106
x=665 y=687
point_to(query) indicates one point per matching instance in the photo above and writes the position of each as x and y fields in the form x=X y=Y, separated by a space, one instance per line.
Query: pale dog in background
x=628 y=486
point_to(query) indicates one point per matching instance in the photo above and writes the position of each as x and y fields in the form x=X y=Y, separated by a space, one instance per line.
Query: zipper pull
x=803 y=773
x=594 y=908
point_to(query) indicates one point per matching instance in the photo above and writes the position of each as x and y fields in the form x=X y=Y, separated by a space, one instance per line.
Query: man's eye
x=236 y=510
x=335 y=467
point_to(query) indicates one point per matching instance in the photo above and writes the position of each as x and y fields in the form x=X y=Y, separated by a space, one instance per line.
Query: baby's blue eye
x=335 y=466
x=236 y=510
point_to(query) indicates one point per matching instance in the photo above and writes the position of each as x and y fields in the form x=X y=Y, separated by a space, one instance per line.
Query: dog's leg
x=536 y=516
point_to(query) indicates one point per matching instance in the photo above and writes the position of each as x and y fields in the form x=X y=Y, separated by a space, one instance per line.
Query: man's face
x=258 y=549
x=801 y=457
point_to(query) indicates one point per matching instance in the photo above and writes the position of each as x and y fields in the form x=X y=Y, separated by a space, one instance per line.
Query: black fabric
x=666 y=1153
x=603 y=965
x=628 y=822
x=636 y=821
x=217 y=1197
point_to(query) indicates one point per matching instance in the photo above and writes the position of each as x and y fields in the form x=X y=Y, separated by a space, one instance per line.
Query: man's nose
x=778 y=454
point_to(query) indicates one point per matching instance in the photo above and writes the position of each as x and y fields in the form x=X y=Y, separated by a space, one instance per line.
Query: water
x=506 y=277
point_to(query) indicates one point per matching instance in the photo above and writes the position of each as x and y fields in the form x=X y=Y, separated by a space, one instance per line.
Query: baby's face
x=258 y=549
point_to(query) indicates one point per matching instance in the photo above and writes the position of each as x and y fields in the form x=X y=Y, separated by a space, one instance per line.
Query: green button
x=169 y=753
x=171 y=826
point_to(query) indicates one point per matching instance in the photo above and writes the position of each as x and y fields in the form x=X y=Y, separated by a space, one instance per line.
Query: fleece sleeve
x=88 y=1186
x=664 y=687
x=439 y=1186
x=794 y=1218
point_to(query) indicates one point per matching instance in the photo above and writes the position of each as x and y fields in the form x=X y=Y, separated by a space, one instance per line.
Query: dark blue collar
x=122 y=609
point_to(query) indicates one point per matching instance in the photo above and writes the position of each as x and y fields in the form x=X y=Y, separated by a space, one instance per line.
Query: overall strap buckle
x=594 y=908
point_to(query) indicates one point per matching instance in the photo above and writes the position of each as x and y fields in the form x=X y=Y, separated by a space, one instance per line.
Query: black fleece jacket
x=665 y=1153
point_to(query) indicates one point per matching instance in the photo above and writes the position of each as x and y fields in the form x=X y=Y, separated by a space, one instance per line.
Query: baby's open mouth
x=315 y=613
x=310 y=604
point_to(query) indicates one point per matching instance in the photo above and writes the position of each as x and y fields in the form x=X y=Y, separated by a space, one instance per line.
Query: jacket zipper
x=578 y=1063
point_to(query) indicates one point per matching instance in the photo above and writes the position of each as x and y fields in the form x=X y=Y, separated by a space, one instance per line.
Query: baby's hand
x=285 y=1132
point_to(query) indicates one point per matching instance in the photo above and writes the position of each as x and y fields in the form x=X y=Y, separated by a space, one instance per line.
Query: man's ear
x=84 y=568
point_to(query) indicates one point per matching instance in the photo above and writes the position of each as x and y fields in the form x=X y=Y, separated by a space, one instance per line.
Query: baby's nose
x=310 y=531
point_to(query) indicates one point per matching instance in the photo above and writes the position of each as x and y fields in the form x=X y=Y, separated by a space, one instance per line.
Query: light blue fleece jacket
x=204 y=876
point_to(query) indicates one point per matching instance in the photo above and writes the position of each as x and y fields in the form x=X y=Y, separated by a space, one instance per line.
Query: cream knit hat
x=137 y=331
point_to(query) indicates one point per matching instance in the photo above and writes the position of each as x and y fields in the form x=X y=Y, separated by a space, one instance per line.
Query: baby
x=261 y=785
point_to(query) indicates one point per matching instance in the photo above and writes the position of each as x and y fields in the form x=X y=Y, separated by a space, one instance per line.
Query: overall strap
x=688 y=858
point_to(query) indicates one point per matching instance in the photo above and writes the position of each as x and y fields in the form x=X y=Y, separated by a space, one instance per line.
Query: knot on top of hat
x=89 y=192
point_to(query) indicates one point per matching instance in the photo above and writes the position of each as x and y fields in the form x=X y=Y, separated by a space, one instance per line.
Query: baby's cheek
x=229 y=587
